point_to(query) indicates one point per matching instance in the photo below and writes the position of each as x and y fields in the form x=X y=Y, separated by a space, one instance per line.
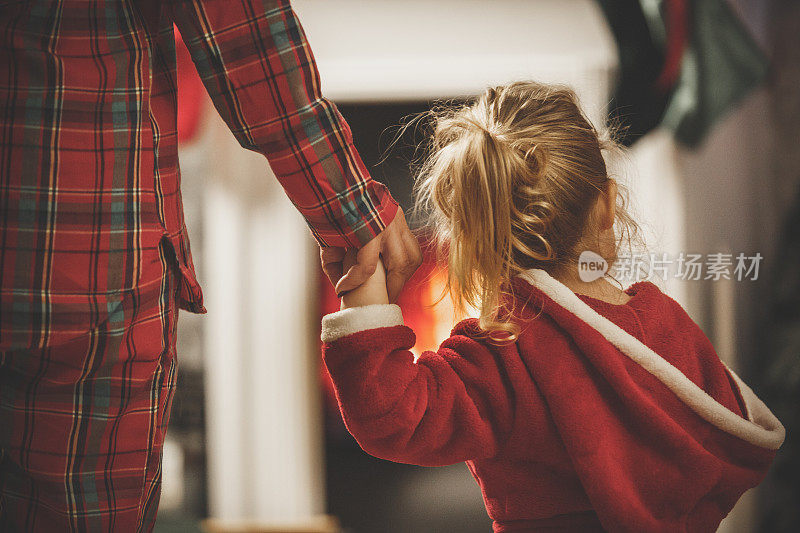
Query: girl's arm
x=373 y=291
x=449 y=406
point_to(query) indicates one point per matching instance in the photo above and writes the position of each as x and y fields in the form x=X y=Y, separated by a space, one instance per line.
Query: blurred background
x=709 y=94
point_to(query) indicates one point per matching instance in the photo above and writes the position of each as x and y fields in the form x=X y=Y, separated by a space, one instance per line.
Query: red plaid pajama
x=91 y=226
x=83 y=423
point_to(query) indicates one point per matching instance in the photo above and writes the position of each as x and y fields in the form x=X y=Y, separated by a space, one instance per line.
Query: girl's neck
x=599 y=289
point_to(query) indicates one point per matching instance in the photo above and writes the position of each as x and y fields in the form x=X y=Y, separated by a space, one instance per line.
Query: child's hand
x=372 y=291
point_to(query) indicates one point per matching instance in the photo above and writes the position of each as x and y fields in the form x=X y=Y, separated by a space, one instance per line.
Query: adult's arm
x=256 y=65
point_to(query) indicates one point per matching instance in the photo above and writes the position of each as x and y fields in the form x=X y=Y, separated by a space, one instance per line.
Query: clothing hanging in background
x=638 y=103
x=683 y=65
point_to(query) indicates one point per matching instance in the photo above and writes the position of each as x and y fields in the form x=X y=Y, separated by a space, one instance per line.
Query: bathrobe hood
x=660 y=441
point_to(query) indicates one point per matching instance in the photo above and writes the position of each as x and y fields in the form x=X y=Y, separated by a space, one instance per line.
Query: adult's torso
x=89 y=176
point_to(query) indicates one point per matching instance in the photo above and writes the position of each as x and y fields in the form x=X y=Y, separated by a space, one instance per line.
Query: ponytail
x=509 y=185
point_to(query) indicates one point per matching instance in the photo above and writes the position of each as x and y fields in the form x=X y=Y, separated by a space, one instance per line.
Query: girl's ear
x=608 y=205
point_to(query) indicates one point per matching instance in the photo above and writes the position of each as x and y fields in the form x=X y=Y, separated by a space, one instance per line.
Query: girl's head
x=517 y=180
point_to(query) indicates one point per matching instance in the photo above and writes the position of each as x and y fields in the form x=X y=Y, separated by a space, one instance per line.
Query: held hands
x=372 y=291
x=396 y=246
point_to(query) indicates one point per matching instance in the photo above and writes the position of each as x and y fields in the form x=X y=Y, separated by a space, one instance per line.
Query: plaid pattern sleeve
x=256 y=64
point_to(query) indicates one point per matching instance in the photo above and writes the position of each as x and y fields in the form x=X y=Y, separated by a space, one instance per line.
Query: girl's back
x=631 y=417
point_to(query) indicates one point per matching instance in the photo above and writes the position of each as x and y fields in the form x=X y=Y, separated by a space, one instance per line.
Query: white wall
x=263 y=414
x=379 y=50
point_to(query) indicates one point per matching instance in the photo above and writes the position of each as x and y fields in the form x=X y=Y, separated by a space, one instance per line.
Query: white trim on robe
x=762 y=428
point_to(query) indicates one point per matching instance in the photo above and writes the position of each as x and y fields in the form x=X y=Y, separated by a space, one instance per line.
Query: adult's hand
x=396 y=245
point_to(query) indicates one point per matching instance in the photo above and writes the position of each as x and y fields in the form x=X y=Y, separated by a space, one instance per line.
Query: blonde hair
x=510 y=184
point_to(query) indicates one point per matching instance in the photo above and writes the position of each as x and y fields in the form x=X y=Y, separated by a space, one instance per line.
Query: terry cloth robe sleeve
x=449 y=406
x=257 y=67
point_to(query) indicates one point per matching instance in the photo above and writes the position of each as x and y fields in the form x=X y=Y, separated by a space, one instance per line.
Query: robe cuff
x=354 y=319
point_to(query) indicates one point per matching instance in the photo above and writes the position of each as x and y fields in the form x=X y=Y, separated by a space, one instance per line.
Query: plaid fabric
x=89 y=177
x=82 y=424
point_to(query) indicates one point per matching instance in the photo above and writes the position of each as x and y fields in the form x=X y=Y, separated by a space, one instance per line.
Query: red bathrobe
x=600 y=417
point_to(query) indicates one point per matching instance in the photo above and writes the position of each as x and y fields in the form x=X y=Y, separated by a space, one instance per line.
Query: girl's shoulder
x=469 y=327
x=536 y=324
